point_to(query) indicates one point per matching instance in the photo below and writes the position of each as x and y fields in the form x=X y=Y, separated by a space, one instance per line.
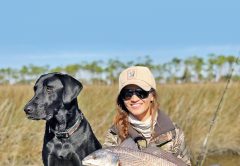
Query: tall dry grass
x=190 y=105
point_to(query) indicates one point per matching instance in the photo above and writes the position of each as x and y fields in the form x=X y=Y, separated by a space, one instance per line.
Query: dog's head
x=51 y=92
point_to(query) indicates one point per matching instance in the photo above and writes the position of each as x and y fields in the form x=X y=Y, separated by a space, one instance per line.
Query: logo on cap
x=131 y=74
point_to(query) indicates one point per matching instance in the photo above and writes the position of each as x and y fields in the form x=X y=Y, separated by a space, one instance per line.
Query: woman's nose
x=134 y=97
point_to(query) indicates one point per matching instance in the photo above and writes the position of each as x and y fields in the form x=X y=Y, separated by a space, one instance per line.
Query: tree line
x=214 y=68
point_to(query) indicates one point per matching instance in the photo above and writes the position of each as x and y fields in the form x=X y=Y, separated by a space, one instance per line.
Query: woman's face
x=139 y=106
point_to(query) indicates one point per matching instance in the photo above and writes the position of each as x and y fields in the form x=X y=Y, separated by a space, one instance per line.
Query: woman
x=138 y=116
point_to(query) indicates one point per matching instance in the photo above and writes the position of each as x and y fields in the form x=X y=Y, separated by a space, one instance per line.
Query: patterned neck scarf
x=143 y=127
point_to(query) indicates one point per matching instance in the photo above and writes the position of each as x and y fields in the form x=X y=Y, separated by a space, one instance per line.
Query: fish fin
x=129 y=143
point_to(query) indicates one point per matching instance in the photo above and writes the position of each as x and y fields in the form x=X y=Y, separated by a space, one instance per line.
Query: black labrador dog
x=68 y=135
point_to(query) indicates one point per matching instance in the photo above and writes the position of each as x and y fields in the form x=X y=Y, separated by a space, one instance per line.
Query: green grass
x=190 y=105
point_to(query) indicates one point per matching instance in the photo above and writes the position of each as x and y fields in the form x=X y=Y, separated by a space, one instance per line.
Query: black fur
x=55 y=100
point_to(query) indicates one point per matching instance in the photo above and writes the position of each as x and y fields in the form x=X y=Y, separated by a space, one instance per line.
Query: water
x=222 y=160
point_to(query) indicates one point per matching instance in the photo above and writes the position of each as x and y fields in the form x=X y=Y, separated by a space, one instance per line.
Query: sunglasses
x=127 y=94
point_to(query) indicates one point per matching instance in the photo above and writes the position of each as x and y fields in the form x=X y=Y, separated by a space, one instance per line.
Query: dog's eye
x=49 y=89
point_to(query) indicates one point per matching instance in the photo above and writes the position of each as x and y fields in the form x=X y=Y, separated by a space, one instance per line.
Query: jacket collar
x=164 y=124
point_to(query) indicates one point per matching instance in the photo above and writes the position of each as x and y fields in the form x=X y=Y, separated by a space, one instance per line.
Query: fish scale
x=129 y=157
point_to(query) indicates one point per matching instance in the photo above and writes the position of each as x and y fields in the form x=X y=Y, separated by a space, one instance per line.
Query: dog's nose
x=28 y=109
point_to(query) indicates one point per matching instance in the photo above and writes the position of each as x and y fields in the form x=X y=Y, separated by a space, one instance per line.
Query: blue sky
x=58 y=32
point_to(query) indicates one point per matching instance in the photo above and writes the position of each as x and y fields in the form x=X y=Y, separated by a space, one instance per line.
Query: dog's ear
x=72 y=88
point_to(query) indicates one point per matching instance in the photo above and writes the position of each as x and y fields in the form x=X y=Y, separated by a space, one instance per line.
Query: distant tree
x=37 y=70
x=158 y=72
x=197 y=65
x=186 y=77
x=146 y=61
x=211 y=62
x=113 y=69
x=58 y=69
x=7 y=75
x=230 y=60
x=129 y=63
x=72 y=69
x=95 y=68
x=215 y=67
x=2 y=80
x=220 y=61
x=24 y=72
x=166 y=68
x=175 y=63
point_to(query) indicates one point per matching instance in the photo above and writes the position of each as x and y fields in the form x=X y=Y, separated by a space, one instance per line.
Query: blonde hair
x=121 y=117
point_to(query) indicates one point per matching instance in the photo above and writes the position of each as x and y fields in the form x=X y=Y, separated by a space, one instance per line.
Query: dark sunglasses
x=127 y=94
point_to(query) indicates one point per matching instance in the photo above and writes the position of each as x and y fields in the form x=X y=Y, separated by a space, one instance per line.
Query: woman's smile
x=136 y=105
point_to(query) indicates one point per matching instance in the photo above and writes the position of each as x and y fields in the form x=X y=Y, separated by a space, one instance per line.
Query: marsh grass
x=191 y=106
